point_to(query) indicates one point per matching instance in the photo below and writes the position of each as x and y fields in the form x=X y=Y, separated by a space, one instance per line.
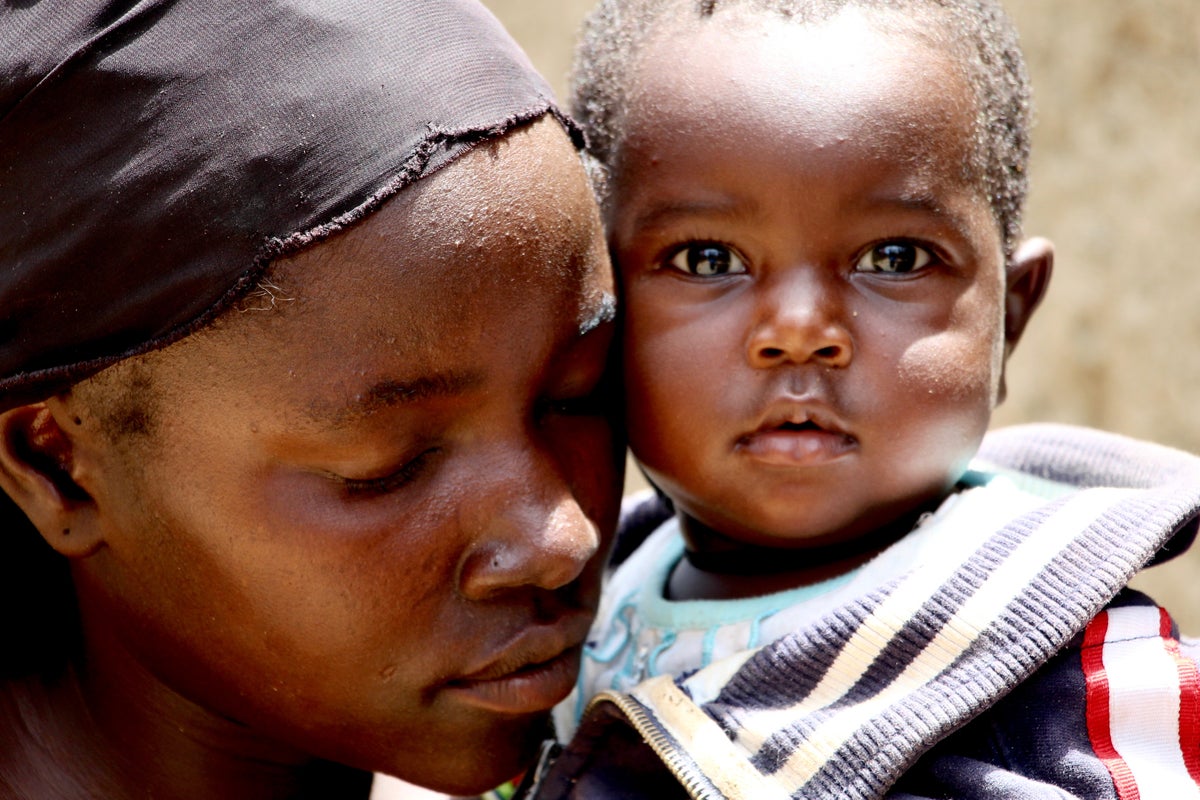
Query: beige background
x=1116 y=185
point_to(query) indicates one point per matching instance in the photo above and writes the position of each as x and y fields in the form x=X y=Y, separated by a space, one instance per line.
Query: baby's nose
x=800 y=319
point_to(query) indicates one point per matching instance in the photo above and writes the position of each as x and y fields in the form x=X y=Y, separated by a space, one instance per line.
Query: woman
x=306 y=318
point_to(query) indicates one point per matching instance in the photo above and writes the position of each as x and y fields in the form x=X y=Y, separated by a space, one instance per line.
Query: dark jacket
x=1030 y=672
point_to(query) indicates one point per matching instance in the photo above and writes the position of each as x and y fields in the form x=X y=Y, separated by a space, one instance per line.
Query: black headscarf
x=156 y=155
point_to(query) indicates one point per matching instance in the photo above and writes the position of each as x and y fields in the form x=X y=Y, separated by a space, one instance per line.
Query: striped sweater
x=1025 y=669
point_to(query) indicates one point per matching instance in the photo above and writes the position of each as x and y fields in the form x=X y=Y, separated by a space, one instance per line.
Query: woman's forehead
x=525 y=194
x=506 y=234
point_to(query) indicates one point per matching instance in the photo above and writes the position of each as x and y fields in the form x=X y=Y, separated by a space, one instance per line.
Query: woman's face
x=368 y=523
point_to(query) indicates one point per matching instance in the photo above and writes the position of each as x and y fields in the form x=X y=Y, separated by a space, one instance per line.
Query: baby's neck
x=715 y=567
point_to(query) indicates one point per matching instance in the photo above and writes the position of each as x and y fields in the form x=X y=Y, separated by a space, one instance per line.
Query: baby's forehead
x=807 y=38
x=848 y=75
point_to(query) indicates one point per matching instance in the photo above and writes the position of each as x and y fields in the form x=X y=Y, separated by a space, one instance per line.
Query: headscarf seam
x=38 y=384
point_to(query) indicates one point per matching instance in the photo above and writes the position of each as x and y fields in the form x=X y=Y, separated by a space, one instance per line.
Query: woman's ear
x=37 y=470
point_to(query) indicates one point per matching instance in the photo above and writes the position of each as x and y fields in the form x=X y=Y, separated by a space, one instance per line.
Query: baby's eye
x=707 y=258
x=893 y=257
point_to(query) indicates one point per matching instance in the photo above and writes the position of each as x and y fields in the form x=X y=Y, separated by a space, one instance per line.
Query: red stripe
x=1099 y=731
x=1189 y=698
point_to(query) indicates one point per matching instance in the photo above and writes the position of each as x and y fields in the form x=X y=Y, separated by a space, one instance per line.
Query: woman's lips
x=533 y=673
x=531 y=689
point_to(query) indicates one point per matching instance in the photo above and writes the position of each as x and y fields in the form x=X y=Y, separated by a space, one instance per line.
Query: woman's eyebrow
x=389 y=393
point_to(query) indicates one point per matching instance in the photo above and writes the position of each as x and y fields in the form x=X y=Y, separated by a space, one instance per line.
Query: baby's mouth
x=807 y=425
x=796 y=438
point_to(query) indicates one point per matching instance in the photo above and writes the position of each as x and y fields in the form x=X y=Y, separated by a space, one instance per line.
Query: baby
x=304 y=470
x=814 y=208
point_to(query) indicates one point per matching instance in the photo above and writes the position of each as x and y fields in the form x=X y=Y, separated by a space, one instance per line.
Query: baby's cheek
x=952 y=366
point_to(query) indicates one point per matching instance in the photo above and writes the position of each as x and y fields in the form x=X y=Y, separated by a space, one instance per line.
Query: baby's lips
x=801 y=415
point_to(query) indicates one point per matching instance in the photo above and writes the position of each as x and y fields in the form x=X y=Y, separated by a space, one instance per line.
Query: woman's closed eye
x=395 y=479
x=894 y=258
x=706 y=259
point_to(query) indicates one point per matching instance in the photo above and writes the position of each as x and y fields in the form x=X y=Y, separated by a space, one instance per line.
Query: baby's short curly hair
x=978 y=32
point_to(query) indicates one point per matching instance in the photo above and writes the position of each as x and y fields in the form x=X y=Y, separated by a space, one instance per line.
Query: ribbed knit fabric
x=842 y=708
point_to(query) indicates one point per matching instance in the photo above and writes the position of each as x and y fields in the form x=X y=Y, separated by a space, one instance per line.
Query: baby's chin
x=825 y=529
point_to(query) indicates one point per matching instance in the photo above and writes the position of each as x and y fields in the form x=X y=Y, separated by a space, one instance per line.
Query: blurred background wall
x=1116 y=186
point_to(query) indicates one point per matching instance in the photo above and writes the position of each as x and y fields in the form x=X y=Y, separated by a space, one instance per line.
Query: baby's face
x=814 y=291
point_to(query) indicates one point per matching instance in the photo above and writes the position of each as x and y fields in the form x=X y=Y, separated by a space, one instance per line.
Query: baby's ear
x=1028 y=276
x=38 y=471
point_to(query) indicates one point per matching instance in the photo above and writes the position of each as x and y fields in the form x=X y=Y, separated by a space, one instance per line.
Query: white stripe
x=976 y=614
x=706 y=684
x=862 y=647
x=1143 y=686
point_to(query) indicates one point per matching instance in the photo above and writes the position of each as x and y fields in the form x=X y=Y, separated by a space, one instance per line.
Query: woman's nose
x=524 y=535
x=799 y=319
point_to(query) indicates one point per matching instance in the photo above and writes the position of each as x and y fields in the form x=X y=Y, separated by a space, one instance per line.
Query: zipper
x=693 y=780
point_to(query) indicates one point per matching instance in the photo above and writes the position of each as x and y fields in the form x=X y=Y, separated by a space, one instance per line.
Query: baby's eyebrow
x=664 y=212
x=927 y=203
